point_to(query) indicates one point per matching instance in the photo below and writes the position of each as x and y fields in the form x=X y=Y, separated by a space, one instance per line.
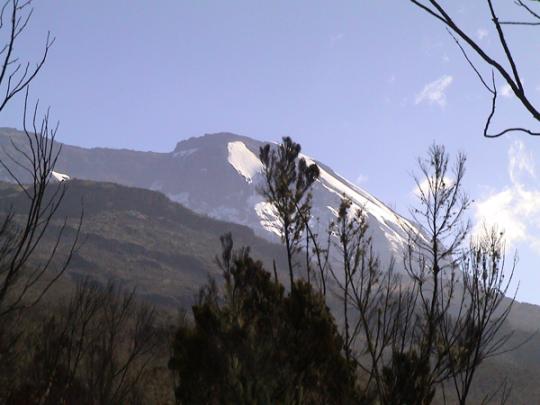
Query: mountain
x=218 y=175
x=141 y=239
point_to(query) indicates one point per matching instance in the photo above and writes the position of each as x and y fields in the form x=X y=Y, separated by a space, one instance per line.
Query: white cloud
x=435 y=92
x=506 y=90
x=515 y=210
x=481 y=33
x=361 y=179
x=520 y=161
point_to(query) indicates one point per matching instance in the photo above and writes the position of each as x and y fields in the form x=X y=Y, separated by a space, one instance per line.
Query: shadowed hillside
x=141 y=239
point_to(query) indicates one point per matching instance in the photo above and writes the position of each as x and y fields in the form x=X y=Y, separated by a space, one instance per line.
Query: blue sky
x=365 y=86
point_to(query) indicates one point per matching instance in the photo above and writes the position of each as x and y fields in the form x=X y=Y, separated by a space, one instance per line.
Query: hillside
x=218 y=175
x=142 y=239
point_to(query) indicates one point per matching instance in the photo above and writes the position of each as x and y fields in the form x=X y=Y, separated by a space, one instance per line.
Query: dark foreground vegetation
x=327 y=325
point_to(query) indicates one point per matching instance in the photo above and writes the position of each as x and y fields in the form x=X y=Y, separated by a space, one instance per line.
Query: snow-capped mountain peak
x=243 y=160
x=387 y=227
x=219 y=175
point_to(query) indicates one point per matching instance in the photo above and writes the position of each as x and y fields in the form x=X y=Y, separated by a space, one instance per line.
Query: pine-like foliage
x=254 y=344
x=287 y=186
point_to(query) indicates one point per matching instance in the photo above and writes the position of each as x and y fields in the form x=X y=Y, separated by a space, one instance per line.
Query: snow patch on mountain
x=59 y=177
x=387 y=227
x=268 y=217
x=243 y=160
x=391 y=223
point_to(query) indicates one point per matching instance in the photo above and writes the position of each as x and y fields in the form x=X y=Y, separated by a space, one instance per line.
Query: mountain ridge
x=141 y=239
x=219 y=175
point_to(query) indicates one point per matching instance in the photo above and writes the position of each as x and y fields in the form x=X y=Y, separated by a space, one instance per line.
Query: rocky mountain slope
x=141 y=239
x=218 y=175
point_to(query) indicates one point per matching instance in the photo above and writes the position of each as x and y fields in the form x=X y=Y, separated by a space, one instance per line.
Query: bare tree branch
x=511 y=76
x=14 y=75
